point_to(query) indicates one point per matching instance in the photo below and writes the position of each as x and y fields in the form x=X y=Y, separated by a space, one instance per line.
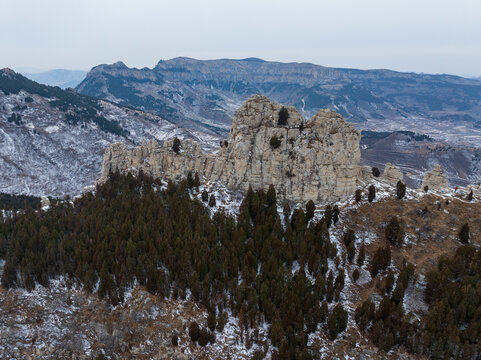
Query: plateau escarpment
x=304 y=160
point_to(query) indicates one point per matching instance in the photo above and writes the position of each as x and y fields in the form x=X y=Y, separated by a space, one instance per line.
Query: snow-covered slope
x=52 y=141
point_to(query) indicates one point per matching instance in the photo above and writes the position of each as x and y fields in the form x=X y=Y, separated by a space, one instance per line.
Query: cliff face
x=316 y=159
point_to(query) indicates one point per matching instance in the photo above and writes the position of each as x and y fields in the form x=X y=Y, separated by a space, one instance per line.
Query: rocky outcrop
x=304 y=160
x=435 y=179
x=392 y=173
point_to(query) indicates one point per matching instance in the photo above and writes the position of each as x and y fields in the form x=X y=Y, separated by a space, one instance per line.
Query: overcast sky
x=432 y=36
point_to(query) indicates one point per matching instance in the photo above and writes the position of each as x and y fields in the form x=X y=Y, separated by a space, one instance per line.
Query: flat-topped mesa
x=304 y=160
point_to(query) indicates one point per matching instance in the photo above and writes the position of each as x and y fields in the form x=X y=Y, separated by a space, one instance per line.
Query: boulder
x=435 y=179
x=392 y=173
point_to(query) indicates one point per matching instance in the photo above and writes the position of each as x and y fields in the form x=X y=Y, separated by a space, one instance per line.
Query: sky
x=430 y=36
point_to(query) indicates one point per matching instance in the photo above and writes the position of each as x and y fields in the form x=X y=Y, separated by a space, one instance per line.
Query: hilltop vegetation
x=80 y=109
x=263 y=267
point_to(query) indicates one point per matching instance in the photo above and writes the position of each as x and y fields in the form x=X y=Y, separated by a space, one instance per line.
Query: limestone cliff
x=316 y=159
x=435 y=179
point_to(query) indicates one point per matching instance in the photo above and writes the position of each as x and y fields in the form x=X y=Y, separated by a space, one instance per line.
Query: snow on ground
x=414 y=296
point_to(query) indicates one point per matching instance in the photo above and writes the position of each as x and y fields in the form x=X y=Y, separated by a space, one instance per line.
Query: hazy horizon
x=431 y=37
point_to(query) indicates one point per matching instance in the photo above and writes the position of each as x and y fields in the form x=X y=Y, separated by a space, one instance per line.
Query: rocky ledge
x=314 y=160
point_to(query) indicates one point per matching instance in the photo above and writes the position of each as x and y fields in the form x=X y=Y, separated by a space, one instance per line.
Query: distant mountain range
x=58 y=77
x=205 y=94
x=52 y=140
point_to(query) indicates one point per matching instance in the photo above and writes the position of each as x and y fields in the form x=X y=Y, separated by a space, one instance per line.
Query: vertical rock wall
x=314 y=160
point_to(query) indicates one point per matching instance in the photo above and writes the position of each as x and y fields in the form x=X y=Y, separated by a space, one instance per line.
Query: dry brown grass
x=431 y=232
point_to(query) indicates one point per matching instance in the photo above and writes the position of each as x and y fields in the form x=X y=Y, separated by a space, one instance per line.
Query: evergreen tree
x=310 y=208
x=358 y=195
x=362 y=255
x=376 y=172
x=271 y=196
x=211 y=321
x=400 y=189
x=194 y=331
x=212 y=201
x=275 y=142
x=394 y=232
x=337 y=321
x=372 y=193
x=196 y=181
x=348 y=237
x=176 y=145
x=204 y=337
x=190 y=180
x=283 y=116
x=175 y=340
x=335 y=214
x=205 y=196
x=355 y=274
x=464 y=234
x=328 y=216
x=381 y=260
x=470 y=195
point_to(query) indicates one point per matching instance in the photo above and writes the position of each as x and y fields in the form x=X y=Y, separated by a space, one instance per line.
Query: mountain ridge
x=53 y=139
x=62 y=78
x=201 y=92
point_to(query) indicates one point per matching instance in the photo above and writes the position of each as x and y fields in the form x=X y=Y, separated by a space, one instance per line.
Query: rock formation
x=304 y=160
x=435 y=179
x=392 y=173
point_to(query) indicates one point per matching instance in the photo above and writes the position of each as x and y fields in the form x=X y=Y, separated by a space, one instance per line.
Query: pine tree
x=196 y=181
x=283 y=116
x=358 y=195
x=328 y=216
x=337 y=321
x=351 y=252
x=275 y=142
x=362 y=255
x=400 y=189
x=205 y=196
x=376 y=172
x=190 y=180
x=355 y=274
x=275 y=331
x=204 y=337
x=349 y=237
x=394 y=232
x=310 y=208
x=381 y=260
x=211 y=321
x=464 y=234
x=194 y=331
x=372 y=193
x=271 y=196
x=470 y=195
x=175 y=340
x=176 y=145
x=335 y=214
x=212 y=201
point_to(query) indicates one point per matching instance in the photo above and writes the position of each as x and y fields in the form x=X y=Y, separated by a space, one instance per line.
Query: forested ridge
x=133 y=230
x=79 y=109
